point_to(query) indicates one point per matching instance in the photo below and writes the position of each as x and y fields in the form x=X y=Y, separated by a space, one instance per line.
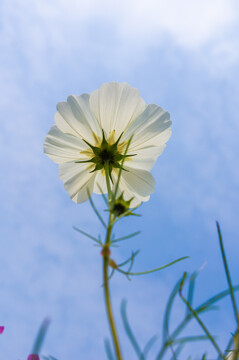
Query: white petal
x=116 y=106
x=62 y=147
x=75 y=117
x=151 y=128
x=144 y=158
x=100 y=183
x=78 y=181
x=64 y=119
x=139 y=182
x=136 y=200
x=82 y=111
x=127 y=194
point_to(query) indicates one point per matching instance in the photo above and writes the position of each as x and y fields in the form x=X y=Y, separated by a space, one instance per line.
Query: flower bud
x=121 y=206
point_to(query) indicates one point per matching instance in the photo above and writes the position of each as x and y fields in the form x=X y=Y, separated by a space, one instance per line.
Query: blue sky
x=182 y=56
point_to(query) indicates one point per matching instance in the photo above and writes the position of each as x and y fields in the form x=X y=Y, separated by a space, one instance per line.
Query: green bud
x=121 y=206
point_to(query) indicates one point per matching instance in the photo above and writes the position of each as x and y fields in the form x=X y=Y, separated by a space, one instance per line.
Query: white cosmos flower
x=87 y=128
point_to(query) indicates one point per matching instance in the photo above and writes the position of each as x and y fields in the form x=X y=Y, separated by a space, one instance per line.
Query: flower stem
x=106 y=257
x=108 y=304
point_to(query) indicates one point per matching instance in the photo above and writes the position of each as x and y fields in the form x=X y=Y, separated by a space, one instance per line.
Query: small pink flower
x=33 y=357
x=1 y=329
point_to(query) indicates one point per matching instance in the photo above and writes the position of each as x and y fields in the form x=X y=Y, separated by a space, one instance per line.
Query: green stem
x=106 y=258
x=107 y=176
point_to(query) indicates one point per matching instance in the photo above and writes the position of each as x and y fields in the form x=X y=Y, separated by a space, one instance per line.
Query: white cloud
x=121 y=31
x=191 y=24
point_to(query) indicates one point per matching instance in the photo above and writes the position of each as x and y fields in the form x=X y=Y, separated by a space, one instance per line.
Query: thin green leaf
x=132 y=261
x=210 y=308
x=167 y=313
x=95 y=210
x=126 y=237
x=204 y=357
x=88 y=235
x=108 y=350
x=103 y=195
x=191 y=287
x=174 y=356
x=129 y=331
x=228 y=276
x=149 y=345
x=182 y=282
x=189 y=339
x=205 y=306
x=154 y=270
x=168 y=309
x=200 y=322
x=111 y=274
x=40 y=336
x=215 y=298
x=130 y=258
x=177 y=351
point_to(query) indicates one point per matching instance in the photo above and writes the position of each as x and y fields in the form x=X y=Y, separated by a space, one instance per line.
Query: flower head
x=92 y=131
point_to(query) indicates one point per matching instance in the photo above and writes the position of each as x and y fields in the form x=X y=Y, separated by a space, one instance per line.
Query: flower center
x=106 y=155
